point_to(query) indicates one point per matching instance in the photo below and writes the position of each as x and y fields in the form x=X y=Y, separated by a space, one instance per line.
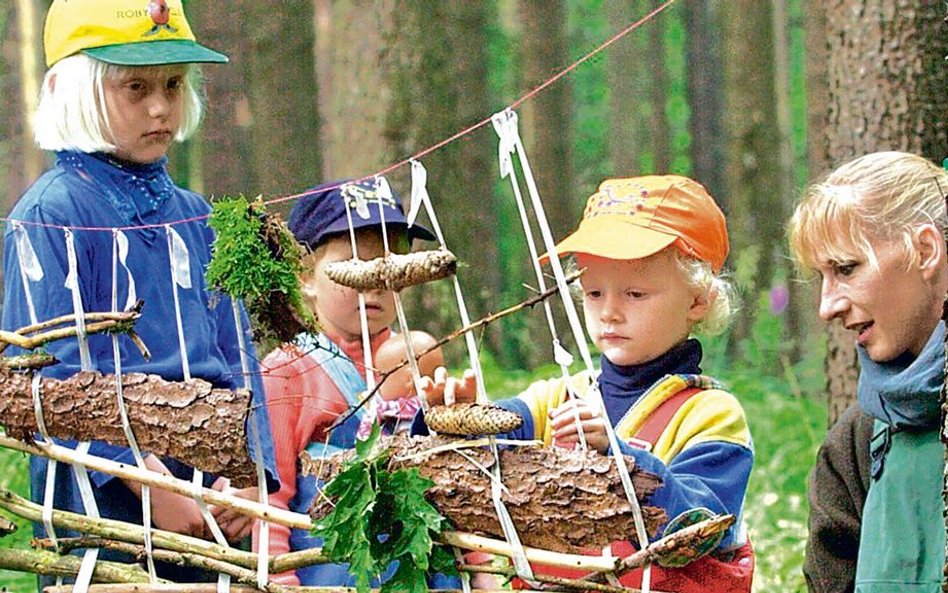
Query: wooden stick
x=96 y=323
x=483 y=321
x=163 y=481
x=478 y=543
x=49 y=563
x=578 y=584
x=33 y=360
x=212 y=588
x=126 y=532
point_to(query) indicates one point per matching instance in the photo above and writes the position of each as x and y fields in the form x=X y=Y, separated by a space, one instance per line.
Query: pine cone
x=472 y=419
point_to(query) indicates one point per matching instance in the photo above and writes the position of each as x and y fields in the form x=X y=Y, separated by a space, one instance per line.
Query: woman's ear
x=929 y=250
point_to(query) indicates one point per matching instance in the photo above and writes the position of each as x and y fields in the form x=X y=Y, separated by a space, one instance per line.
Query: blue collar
x=904 y=392
x=634 y=380
x=136 y=190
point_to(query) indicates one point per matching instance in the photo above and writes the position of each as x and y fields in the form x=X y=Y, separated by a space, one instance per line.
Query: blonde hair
x=71 y=114
x=723 y=301
x=719 y=290
x=883 y=195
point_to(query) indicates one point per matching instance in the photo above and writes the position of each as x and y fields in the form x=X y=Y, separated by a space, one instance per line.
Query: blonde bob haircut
x=883 y=196
x=723 y=301
x=72 y=115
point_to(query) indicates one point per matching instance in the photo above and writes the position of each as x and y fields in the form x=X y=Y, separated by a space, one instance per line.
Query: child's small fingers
x=449 y=390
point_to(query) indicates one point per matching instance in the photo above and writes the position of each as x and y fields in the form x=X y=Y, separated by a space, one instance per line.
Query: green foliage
x=14 y=476
x=254 y=258
x=787 y=419
x=380 y=517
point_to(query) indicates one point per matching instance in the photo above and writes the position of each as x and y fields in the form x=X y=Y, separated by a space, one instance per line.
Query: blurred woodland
x=753 y=98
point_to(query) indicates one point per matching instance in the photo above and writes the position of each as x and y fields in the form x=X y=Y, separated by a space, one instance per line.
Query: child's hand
x=236 y=526
x=565 y=432
x=448 y=390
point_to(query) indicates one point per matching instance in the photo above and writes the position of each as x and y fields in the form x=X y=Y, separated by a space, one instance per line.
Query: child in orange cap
x=652 y=249
x=123 y=84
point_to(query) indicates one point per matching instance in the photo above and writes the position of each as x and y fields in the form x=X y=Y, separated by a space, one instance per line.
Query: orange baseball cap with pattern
x=639 y=216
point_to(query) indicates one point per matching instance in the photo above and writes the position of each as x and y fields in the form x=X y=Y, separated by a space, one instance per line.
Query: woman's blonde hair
x=879 y=196
x=71 y=114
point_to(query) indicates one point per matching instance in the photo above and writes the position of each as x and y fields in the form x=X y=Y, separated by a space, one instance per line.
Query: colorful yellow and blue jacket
x=704 y=456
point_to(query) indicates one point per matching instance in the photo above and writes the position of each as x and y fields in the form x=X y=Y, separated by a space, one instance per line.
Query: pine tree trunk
x=659 y=130
x=283 y=99
x=627 y=89
x=705 y=97
x=756 y=214
x=559 y=499
x=224 y=141
x=190 y=421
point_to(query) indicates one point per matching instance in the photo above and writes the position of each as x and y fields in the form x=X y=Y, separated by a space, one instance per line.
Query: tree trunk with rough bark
x=559 y=499
x=190 y=421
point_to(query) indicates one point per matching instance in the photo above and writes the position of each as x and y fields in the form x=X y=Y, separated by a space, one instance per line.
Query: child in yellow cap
x=652 y=249
x=122 y=85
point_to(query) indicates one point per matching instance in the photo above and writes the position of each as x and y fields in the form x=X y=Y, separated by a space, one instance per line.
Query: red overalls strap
x=710 y=574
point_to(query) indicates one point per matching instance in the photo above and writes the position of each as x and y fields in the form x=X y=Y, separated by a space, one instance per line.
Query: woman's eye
x=635 y=294
x=846 y=268
x=175 y=84
x=593 y=294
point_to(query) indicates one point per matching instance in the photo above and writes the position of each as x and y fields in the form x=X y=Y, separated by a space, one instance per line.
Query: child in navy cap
x=311 y=382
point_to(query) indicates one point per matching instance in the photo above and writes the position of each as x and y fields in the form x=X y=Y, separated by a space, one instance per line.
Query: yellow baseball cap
x=123 y=32
x=637 y=217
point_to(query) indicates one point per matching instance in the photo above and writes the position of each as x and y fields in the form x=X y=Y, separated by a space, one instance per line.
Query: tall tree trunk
x=546 y=121
x=283 y=100
x=627 y=89
x=659 y=130
x=886 y=92
x=352 y=64
x=224 y=145
x=705 y=96
x=752 y=167
x=30 y=24
x=434 y=48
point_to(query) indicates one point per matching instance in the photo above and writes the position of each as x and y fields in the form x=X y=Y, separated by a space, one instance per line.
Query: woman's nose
x=833 y=301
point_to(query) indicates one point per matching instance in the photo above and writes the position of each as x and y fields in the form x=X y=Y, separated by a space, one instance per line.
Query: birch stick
x=164 y=481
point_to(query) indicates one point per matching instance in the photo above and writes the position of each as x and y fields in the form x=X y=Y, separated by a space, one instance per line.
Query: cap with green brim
x=123 y=32
x=154 y=53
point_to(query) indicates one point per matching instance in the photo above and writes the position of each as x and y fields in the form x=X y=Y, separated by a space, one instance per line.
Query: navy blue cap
x=322 y=212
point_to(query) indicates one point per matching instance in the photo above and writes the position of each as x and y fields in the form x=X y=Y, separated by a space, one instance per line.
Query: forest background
x=754 y=98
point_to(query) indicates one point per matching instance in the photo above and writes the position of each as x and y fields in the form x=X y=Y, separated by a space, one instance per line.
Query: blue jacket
x=92 y=193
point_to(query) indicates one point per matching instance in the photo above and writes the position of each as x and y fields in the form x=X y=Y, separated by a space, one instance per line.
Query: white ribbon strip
x=510 y=128
x=263 y=551
x=384 y=192
x=521 y=564
x=72 y=283
x=120 y=257
x=50 y=487
x=363 y=318
x=180 y=276
x=84 y=578
x=506 y=128
x=30 y=267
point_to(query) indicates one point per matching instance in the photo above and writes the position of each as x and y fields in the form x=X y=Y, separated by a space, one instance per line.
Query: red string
x=415 y=156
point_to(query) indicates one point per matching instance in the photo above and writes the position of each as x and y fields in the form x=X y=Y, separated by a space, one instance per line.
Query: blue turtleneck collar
x=620 y=384
x=136 y=190
x=904 y=392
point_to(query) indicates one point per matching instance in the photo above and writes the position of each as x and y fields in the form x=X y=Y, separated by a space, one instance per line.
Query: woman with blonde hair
x=873 y=233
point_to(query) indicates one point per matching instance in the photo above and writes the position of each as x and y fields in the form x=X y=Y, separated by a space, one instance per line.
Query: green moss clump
x=255 y=258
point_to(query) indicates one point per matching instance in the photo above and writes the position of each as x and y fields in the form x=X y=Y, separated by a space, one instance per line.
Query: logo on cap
x=160 y=13
x=359 y=196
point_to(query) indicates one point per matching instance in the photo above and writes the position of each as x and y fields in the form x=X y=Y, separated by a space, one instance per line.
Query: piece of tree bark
x=559 y=499
x=190 y=421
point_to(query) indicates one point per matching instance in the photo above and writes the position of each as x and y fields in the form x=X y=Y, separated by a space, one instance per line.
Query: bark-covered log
x=190 y=421
x=559 y=499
